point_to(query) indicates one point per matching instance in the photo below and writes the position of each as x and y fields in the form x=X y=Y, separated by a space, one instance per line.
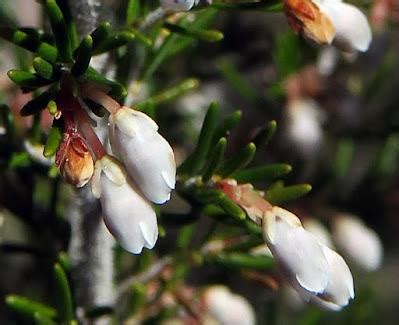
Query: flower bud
x=316 y=272
x=127 y=214
x=227 y=308
x=74 y=160
x=178 y=5
x=357 y=242
x=339 y=289
x=148 y=157
x=326 y=20
x=298 y=253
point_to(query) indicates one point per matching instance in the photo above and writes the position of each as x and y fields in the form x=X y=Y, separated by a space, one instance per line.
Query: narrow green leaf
x=53 y=141
x=241 y=160
x=231 y=208
x=172 y=93
x=241 y=261
x=65 y=261
x=60 y=31
x=117 y=91
x=195 y=161
x=236 y=79
x=261 y=173
x=82 y=56
x=43 y=68
x=343 y=158
x=185 y=236
x=287 y=54
x=205 y=35
x=28 y=307
x=114 y=41
x=26 y=79
x=47 y=52
x=37 y=104
x=41 y=319
x=52 y=107
x=280 y=194
x=229 y=123
x=215 y=160
x=29 y=41
x=69 y=22
x=100 y=34
x=63 y=295
x=20 y=38
x=141 y=37
x=265 y=134
x=132 y=11
x=19 y=160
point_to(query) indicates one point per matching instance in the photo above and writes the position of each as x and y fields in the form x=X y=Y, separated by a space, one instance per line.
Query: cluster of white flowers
x=144 y=173
x=318 y=274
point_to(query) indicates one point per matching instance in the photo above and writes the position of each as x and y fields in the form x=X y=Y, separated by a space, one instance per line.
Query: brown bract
x=305 y=18
x=74 y=160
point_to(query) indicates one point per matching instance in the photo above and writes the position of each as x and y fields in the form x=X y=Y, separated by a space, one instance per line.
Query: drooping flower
x=316 y=272
x=74 y=159
x=357 y=242
x=127 y=214
x=325 y=21
x=339 y=290
x=227 y=308
x=148 y=157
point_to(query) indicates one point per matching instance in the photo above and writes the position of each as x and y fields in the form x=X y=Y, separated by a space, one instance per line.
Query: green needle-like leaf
x=229 y=123
x=41 y=319
x=132 y=11
x=231 y=208
x=60 y=31
x=47 y=52
x=262 y=173
x=82 y=56
x=205 y=35
x=43 y=68
x=265 y=134
x=280 y=194
x=241 y=160
x=100 y=34
x=195 y=161
x=37 y=104
x=28 y=307
x=63 y=295
x=26 y=79
x=53 y=141
x=114 y=41
x=241 y=260
x=216 y=157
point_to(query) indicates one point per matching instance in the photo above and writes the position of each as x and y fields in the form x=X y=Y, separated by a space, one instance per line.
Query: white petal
x=177 y=5
x=113 y=170
x=128 y=216
x=358 y=242
x=96 y=180
x=352 y=28
x=317 y=229
x=298 y=253
x=148 y=157
x=228 y=308
x=340 y=285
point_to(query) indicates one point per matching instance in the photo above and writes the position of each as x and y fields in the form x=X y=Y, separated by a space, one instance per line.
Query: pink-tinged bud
x=127 y=214
x=74 y=160
x=148 y=157
x=227 y=308
x=246 y=197
x=359 y=243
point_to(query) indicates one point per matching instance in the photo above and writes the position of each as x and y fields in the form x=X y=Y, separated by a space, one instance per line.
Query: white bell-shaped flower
x=298 y=252
x=148 y=157
x=127 y=214
x=352 y=30
x=228 y=308
x=317 y=229
x=178 y=5
x=340 y=288
x=357 y=242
